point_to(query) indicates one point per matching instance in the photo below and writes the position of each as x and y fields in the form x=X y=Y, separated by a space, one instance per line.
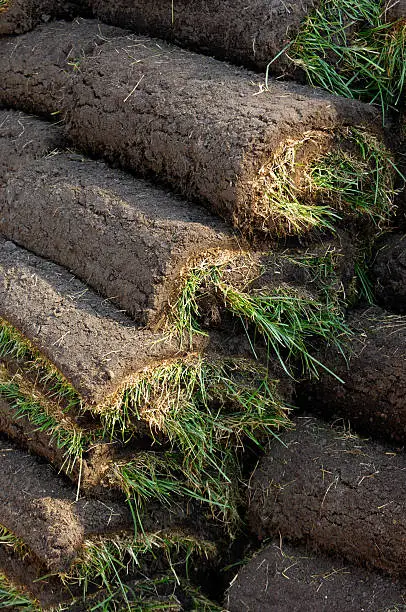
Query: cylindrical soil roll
x=247 y=33
x=17 y=16
x=282 y=578
x=210 y=130
x=130 y=241
x=389 y=273
x=256 y=155
x=29 y=85
x=94 y=346
x=335 y=492
x=372 y=397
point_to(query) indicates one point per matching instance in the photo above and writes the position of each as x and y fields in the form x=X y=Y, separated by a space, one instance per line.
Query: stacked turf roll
x=183 y=257
x=273 y=160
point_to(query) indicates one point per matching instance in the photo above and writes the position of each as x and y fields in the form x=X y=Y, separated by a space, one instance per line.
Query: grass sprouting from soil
x=287 y=319
x=4 y=4
x=13 y=598
x=106 y=563
x=357 y=177
x=73 y=442
x=346 y=47
x=203 y=409
x=13 y=345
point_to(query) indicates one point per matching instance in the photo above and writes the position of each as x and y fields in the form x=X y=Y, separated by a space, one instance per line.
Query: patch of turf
x=13 y=598
x=346 y=47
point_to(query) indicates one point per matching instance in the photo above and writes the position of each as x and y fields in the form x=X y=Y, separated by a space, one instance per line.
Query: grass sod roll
x=284 y=578
x=334 y=492
x=41 y=509
x=27 y=86
x=18 y=16
x=130 y=241
x=92 y=344
x=298 y=159
x=372 y=395
x=248 y=34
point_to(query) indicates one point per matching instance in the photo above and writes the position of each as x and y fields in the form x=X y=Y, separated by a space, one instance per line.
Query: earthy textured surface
x=372 y=397
x=248 y=33
x=207 y=128
x=334 y=492
x=125 y=238
x=389 y=273
x=24 y=139
x=38 y=507
x=28 y=84
x=90 y=342
x=23 y=15
x=282 y=578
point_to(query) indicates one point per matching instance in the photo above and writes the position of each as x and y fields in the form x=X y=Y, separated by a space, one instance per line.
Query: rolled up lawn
x=129 y=240
x=281 y=159
x=373 y=392
x=334 y=492
x=18 y=16
x=283 y=578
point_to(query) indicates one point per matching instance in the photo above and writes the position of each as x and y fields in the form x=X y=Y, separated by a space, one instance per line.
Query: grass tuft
x=346 y=47
x=12 y=598
x=357 y=177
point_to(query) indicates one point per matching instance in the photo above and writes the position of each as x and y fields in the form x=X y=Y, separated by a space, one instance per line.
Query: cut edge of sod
x=355 y=175
x=347 y=48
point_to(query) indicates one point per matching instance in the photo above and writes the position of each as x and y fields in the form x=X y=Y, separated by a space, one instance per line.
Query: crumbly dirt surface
x=30 y=86
x=130 y=241
x=334 y=492
x=38 y=507
x=282 y=578
x=246 y=33
x=206 y=128
x=90 y=342
x=23 y=15
x=389 y=273
x=372 y=397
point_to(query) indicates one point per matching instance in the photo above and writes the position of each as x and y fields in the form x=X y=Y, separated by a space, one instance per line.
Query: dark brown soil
x=125 y=238
x=38 y=507
x=282 y=578
x=198 y=124
x=335 y=492
x=206 y=128
x=91 y=343
x=246 y=33
x=24 y=139
x=396 y=9
x=389 y=272
x=25 y=84
x=372 y=397
x=23 y=15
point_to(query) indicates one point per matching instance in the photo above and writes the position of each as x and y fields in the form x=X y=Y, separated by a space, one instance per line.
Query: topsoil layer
x=281 y=578
x=24 y=139
x=26 y=83
x=210 y=130
x=335 y=492
x=128 y=240
x=247 y=33
x=23 y=15
x=38 y=507
x=389 y=272
x=372 y=396
x=89 y=341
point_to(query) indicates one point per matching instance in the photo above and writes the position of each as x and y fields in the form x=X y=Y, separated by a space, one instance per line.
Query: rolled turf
x=283 y=578
x=372 y=395
x=210 y=130
x=127 y=239
x=335 y=492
